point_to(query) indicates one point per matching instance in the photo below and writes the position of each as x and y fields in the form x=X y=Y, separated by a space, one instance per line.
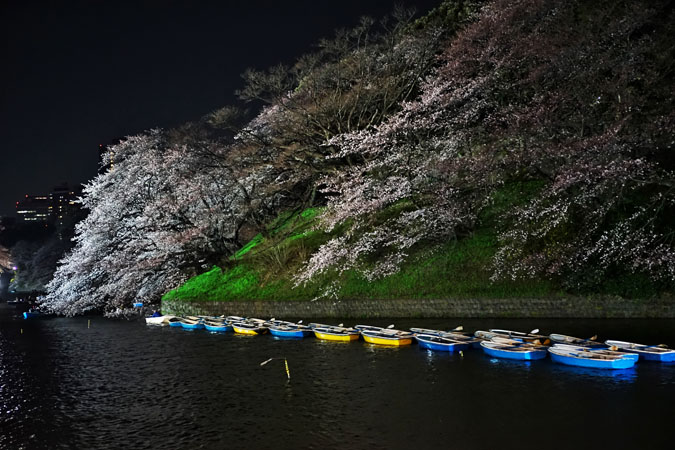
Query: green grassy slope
x=264 y=269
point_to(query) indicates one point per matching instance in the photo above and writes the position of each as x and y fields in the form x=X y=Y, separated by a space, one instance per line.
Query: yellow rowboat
x=248 y=328
x=336 y=334
x=388 y=337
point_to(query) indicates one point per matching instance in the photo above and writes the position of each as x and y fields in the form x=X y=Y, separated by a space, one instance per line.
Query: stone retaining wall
x=572 y=307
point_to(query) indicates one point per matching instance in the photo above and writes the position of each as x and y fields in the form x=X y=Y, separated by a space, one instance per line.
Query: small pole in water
x=461 y=354
x=22 y=331
x=288 y=372
x=89 y=323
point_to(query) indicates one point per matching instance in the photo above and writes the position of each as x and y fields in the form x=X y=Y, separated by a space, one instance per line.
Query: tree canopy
x=425 y=123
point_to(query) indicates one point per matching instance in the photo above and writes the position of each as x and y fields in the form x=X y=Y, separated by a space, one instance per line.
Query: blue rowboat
x=647 y=352
x=579 y=342
x=32 y=315
x=592 y=359
x=598 y=351
x=217 y=327
x=457 y=331
x=192 y=324
x=454 y=335
x=291 y=331
x=520 y=352
x=175 y=322
x=440 y=343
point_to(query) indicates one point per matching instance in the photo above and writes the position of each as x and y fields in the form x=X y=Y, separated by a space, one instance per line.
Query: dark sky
x=76 y=74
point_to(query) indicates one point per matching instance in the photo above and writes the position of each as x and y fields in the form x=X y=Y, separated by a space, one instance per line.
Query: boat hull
x=598 y=351
x=393 y=341
x=176 y=324
x=530 y=355
x=646 y=352
x=648 y=356
x=343 y=337
x=292 y=334
x=218 y=328
x=618 y=363
x=441 y=346
x=663 y=357
x=249 y=331
x=192 y=326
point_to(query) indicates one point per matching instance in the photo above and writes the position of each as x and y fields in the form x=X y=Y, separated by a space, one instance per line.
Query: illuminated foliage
x=410 y=134
x=164 y=212
x=575 y=95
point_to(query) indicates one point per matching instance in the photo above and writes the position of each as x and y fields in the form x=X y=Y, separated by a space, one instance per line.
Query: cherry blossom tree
x=572 y=96
x=5 y=258
x=409 y=133
x=161 y=214
x=352 y=82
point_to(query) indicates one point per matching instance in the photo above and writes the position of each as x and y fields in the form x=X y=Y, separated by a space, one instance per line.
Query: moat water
x=93 y=383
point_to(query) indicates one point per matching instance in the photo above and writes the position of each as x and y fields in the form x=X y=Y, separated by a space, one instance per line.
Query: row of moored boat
x=497 y=343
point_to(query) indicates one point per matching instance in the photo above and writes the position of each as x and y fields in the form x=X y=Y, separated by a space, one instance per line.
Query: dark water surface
x=126 y=385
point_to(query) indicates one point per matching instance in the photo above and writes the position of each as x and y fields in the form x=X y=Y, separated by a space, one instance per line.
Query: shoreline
x=550 y=308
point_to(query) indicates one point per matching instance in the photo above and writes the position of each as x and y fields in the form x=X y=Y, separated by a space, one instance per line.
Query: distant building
x=34 y=208
x=64 y=202
x=53 y=208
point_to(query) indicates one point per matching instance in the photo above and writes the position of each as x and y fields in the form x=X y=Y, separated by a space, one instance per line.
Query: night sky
x=76 y=74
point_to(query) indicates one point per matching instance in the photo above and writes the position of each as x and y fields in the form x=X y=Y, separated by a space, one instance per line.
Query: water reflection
x=582 y=374
x=510 y=364
x=327 y=343
x=435 y=356
x=126 y=385
x=376 y=348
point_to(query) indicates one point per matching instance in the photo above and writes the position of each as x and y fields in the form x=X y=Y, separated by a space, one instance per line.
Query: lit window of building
x=51 y=209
